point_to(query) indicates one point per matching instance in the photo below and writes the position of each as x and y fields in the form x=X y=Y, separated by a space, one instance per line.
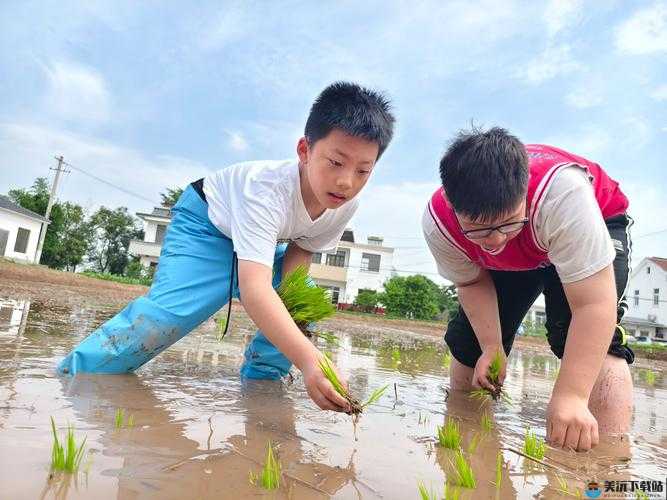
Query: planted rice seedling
x=485 y=422
x=499 y=469
x=649 y=377
x=449 y=435
x=446 y=359
x=66 y=456
x=425 y=494
x=533 y=446
x=305 y=303
x=452 y=493
x=472 y=446
x=119 y=418
x=269 y=478
x=564 y=488
x=120 y=421
x=464 y=474
x=356 y=406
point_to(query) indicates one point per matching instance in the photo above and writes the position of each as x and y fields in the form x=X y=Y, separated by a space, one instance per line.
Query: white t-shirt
x=568 y=224
x=257 y=204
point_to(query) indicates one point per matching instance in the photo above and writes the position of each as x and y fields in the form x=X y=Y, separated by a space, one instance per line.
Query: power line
x=111 y=184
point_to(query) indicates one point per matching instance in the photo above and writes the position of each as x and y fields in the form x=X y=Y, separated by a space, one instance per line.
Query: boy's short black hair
x=356 y=110
x=485 y=173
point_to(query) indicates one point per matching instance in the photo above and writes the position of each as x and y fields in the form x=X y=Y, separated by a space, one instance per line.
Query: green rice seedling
x=425 y=494
x=649 y=376
x=305 y=303
x=449 y=435
x=356 y=407
x=642 y=495
x=130 y=421
x=67 y=456
x=564 y=488
x=499 y=469
x=472 y=446
x=269 y=478
x=396 y=355
x=485 y=422
x=328 y=337
x=252 y=478
x=464 y=474
x=452 y=493
x=119 y=418
x=533 y=446
x=447 y=359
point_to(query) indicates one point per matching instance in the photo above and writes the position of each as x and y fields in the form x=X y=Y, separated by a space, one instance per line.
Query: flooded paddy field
x=199 y=430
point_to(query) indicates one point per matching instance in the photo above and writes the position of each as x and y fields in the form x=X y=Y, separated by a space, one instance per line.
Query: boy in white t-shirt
x=512 y=221
x=243 y=214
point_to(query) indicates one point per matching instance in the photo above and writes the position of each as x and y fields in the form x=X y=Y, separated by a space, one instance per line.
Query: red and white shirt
x=568 y=199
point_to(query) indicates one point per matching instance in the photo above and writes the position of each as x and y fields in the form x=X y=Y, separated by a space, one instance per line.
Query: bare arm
x=592 y=301
x=265 y=308
x=480 y=303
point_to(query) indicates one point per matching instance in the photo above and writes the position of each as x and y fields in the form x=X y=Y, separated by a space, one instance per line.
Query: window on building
x=636 y=298
x=22 y=237
x=659 y=335
x=336 y=259
x=334 y=291
x=656 y=296
x=317 y=258
x=159 y=233
x=370 y=262
x=540 y=318
x=648 y=269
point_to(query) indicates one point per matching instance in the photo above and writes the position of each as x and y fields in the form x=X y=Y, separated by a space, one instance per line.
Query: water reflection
x=199 y=431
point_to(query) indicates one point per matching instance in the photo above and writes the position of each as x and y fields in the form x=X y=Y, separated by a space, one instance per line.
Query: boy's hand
x=480 y=377
x=321 y=391
x=570 y=424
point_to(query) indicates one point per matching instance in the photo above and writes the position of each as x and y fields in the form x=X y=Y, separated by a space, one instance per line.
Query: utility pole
x=52 y=197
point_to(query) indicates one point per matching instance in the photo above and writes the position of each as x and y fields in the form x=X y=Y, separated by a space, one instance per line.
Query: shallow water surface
x=199 y=430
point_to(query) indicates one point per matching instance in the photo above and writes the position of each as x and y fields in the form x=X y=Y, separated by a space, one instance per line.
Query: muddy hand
x=322 y=392
x=480 y=378
x=570 y=424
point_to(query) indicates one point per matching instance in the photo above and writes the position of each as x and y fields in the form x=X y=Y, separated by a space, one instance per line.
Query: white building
x=647 y=300
x=352 y=267
x=155 y=227
x=19 y=231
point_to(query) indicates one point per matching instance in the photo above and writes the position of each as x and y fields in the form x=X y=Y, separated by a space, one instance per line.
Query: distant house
x=647 y=300
x=352 y=267
x=155 y=227
x=19 y=231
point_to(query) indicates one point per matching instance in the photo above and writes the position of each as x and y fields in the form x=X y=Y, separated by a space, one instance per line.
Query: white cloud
x=645 y=32
x=561 y=14
x=554 y=61
x=77 y=93
x=584 y=97
x=236 y=141
x=660 y=93
x=28 y=152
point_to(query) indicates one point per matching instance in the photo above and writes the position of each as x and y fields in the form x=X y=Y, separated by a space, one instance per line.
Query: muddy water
x=199 y=430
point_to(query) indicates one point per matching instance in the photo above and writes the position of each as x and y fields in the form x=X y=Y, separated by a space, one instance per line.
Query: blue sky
x=149 y=96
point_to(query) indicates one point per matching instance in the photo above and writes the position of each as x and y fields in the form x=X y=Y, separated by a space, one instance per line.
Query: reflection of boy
x=511 y=222
x=242 y=212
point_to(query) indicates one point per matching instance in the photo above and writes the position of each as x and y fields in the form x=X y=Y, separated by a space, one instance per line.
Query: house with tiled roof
x=19 y=231
x=647 y=300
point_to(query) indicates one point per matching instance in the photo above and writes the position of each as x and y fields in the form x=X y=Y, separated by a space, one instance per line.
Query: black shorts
x=517 y=290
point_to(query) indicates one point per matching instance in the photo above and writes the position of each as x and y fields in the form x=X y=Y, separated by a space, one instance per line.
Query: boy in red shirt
x=511 y=222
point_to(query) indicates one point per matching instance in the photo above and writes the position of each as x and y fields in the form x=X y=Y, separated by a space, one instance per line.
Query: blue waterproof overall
x=192 y=282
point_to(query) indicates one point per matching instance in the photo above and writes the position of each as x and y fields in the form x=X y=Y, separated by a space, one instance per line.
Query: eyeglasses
x=508 y=227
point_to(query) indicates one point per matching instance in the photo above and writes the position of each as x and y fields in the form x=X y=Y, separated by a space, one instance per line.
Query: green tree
x=74 y=239
x=114 y=229
x=170 y=198
x=367 y=300
x=448 y=301
x=411 y=297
